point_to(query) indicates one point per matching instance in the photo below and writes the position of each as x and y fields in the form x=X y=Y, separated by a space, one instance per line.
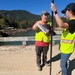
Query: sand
x=21 y=60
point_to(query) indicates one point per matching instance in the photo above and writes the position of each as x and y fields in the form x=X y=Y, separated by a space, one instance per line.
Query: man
x=67 y=41
x=41 y=39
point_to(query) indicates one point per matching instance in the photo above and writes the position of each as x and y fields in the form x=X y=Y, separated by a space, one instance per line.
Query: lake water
x=23 y=34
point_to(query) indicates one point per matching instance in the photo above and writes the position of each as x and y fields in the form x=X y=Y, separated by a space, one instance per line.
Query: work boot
x=39 y=68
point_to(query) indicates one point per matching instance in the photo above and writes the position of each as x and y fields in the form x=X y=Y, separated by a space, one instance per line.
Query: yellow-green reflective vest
x=40 y=36
x=67 y=42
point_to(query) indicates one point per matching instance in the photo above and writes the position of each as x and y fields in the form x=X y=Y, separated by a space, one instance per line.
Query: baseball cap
x=45 y=12
x=70 y=6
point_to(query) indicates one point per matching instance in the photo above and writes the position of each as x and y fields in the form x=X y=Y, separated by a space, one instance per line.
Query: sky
x=34 y=6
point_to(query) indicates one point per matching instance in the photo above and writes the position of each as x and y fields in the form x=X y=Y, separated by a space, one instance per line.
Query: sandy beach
x=21 y=60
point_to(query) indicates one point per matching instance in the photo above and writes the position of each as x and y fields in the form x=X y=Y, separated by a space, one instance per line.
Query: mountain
x=20 y=15
x=19 y=18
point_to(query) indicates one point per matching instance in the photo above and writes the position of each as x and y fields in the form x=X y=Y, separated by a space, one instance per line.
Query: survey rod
x=51 y=43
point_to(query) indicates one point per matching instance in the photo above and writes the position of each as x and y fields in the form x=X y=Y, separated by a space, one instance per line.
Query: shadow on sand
x=55 y=58
x=71 y=66
x=71 y=63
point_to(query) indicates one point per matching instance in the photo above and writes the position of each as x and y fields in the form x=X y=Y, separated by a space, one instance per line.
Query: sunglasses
x=46 y=14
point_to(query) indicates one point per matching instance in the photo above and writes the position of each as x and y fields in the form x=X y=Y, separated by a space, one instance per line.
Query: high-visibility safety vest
x=67 y=42
x=41 y=36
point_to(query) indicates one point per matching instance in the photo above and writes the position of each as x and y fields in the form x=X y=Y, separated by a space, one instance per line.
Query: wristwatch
x=56 y=12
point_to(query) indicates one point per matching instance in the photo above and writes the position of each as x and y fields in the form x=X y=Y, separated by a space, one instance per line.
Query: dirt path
x=21 y=60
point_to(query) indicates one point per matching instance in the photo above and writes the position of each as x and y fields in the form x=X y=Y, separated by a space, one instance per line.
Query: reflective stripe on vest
x=67 y=42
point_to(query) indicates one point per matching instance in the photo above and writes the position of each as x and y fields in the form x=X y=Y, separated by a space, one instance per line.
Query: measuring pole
x=51 y=43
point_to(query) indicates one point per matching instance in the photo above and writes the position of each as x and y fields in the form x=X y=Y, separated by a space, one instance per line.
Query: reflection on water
x=28 y=33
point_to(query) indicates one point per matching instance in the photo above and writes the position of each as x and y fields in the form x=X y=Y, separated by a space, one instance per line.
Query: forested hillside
x=19 y=19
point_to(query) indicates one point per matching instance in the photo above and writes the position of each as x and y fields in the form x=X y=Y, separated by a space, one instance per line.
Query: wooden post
x=24 y=43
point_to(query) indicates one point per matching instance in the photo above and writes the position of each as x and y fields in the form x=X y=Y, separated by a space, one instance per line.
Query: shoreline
x=10 y=32
x=13 y=32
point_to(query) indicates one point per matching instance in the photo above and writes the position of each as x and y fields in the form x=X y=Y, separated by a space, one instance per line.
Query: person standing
x=67 y=41
x=41 y=39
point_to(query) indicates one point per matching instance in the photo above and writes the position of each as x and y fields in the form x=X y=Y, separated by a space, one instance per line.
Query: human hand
x=53 y=7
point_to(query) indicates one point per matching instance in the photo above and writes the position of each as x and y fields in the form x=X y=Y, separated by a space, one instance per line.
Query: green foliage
x=19 y=19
